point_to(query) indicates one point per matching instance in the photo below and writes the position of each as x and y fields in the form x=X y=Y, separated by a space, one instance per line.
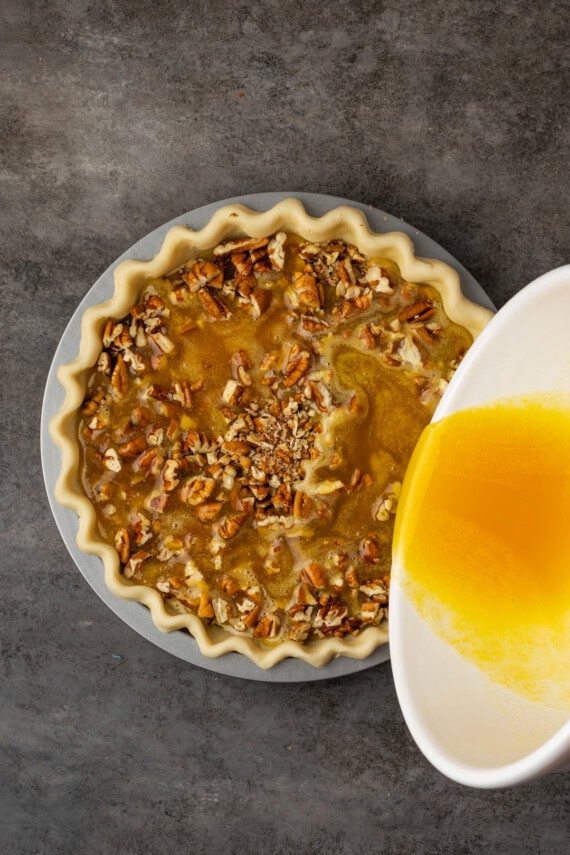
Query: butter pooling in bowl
x=480 y=593
x=483 y=541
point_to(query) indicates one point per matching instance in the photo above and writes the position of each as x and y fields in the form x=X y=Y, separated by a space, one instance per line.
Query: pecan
x=308 y=291
x=331 y=615
x=130 y=450
x=150 y=462
x=208 y=510
x=312 y=324
x=104 y=363
x=315 y=574
x=297 y=365
x=232 y=392
x=134 y=563
x=123 y=544
x=222 y=610
x=352 y=579
x=169 y=475
x=419 y=311
x=281 y=501
x=228 y=585
x=240 y=245
x=120 y=377
x=205 y=609
x=181 y=394
x=364 y=301
x=203 y=273
x=260 y=302
x=376 y=590
x=212 y=306
x=268 y=627
x=369 y=550
x=162 y=342
x=239 y=363
x=197 y=489
x=111 y=460
x=157 y=502
x=371 y=612
x=366 y=336
x=276 y=250
x=231 y=525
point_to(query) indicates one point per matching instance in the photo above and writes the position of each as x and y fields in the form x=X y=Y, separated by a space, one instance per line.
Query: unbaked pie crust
x=181 y=244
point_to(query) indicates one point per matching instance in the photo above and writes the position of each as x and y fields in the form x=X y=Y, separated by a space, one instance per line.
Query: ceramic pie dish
x=181 y=247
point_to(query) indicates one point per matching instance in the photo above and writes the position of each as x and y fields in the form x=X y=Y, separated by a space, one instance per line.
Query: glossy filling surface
x=248 y=425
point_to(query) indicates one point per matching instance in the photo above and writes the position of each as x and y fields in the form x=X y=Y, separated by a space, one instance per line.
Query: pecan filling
x=247 y=427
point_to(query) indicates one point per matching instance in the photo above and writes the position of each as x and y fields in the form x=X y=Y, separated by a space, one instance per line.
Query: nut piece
x=240 y=245
x=232 y=392
x=203 y=273
x=297 y=365
x=123 y=544
x=231 y=525
x=222 y=610
x=133 y=448
x=197 y=489
x=260 y=302
x=268 y=627
x=111 y=460
x=134 y=563
x=208 y=510
x=369 y=550
x=276 y=250
x=307 y=290
x=315 y=574
x=120 y=378
x=418 y=312
x=212 y=306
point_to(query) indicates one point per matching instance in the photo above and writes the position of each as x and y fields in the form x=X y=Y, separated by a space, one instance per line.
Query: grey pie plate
x=137 y=616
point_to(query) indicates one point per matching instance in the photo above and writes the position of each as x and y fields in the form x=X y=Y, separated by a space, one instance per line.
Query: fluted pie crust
x=131 y=277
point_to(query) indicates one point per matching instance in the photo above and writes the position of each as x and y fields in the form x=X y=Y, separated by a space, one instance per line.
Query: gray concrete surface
x=116 y=116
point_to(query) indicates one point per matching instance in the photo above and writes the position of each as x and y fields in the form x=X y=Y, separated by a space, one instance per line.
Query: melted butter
x=482 y=541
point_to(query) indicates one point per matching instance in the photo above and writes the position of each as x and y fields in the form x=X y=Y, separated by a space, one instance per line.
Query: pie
x=239 y=420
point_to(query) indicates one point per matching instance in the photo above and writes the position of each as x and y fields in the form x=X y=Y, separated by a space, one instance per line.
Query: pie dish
x=179 y=252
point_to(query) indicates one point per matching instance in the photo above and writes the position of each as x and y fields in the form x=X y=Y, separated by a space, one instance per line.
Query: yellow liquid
x=482 y=541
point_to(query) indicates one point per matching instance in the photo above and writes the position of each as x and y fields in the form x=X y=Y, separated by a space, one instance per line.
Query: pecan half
x=212 y=306
x=419 y=311
x=308 y=291
x=123 y=544
x=231 y=525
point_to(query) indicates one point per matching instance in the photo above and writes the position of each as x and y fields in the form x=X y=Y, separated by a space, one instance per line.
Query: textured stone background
x=116 y=116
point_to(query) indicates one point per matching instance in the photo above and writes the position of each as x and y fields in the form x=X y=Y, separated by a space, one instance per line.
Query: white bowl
x=473 y=730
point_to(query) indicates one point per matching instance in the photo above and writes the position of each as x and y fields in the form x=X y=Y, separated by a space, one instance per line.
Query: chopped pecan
x=260 y=302
x=197 y=490
x=268 y=627
x=120 y=377
x=376 y=590
x=297 y=365
x=111 y=460
x=169 y=475
x=276 y=250
x=212 y=306
x=208 y=510
x=309 y=292
x=240 y=245
x=228 y=585
x=315 y=574
x=222 y=610
x=233 y=392
x=123 y=544
x=205 y=609
x=163 y=343
x=231 y=525
x=366 y=336
x=281 y=501
x=130 y=450
x=134 y=563
x=203 y=273
x=239 y=363
x=104 y=363
x=370 y=550
x=419 y=311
